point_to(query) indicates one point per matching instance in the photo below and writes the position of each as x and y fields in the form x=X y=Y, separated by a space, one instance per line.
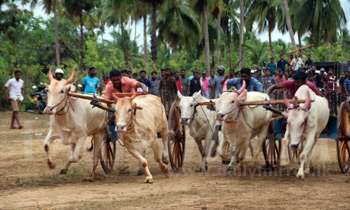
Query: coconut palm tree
x=264 y=13
x=178 y=24
x=322 y=18
x=154 y=5
x=77 y=9
x=241 y=33
x=285 y=7
x=51 y=6
x=201 y=6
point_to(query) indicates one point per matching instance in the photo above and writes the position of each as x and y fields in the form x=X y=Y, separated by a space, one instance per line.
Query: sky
x=276 y=35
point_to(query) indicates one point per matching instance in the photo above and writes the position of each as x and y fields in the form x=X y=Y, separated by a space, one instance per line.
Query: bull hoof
x=300 y=176
x=64 y=171
x=149 y=180
x=51 y=165
x=165 y=160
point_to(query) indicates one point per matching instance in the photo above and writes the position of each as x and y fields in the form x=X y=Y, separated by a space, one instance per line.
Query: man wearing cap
x=59 y=74
x=252 y=83
x=90 y=82
x=292 y=86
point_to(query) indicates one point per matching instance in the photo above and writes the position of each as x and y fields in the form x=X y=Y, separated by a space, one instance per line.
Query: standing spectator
x=91 y=84
x=347 y=83
x=195 y=84
x=292 y=62
x=267 y=80
x=319 y=79
x=211 y=84
x=144 y=80
x=252 y=83
x=154 y=83
x=205 y=85
x=218 y=81
x=14 y=88
x=167 y=90
x=185 y=82
x=309 y=62
x=299 y=63
x=124 y=73
x=178 y=82
x=272 y=66
x=281 y=64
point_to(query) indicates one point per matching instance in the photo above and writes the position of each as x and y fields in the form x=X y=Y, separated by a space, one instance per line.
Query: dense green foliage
x=175 y=28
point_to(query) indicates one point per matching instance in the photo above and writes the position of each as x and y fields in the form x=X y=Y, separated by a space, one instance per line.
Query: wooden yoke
x=271 y=102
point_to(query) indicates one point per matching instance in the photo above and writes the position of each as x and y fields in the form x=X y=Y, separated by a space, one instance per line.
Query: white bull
x=305 y=123
x=201 y=122
x=138 y=121
x=240 y=124
x=72 y=120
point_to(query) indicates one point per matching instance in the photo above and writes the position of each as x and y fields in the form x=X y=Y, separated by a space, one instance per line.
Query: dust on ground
x=27 y=183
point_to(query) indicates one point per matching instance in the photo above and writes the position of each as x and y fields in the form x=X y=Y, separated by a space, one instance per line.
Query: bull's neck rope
x=205 y=114
x=237 y=116
x=66 y=100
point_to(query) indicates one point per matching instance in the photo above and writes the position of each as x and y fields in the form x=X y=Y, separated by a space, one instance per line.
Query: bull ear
x=50 y=76
x=179 y=94
x=71 y=78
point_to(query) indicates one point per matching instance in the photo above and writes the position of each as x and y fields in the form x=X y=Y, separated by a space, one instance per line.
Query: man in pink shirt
x=121 y=84
x=292 y=86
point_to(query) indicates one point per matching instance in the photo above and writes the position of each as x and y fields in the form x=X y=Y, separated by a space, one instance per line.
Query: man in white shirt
x=15 y=95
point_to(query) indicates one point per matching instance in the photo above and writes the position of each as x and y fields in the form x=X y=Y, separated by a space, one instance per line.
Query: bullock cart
x=343 y=137
x=108 y=147
x=177 y=137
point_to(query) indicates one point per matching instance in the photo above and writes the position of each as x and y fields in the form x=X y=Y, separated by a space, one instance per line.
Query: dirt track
x=27 y=183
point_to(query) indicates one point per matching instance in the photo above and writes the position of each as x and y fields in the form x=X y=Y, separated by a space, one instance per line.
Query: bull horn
x=307 y=103
x=242 y=87
x=50 y=76
x=71 y=77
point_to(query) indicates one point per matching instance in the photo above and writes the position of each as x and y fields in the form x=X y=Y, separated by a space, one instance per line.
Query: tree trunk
x=154 y=35
x=206 y=38
x=82 y=47
x=288 y=21
x=299 y=39
x=57 y=44
x=145 y=41
x=218 y=43
x=271 y=47
x=241 y=33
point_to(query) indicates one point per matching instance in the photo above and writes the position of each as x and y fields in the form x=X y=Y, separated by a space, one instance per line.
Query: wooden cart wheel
x=177 y=138
x=108 y=154
x=272 y=152
x=271 y=148
x=343 y=153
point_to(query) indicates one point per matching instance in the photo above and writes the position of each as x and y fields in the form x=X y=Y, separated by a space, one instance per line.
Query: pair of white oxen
x=138 y=120
x=241 y=125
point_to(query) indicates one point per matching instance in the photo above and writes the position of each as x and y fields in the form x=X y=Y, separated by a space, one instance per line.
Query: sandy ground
x=27 y=183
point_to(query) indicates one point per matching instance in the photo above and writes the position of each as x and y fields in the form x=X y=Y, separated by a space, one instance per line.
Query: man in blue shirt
x=144 y=80
x=91 y=83
x=252 y=83
x=218 y=81
x=347 y=82
x=272 y=66
x=281 y=64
